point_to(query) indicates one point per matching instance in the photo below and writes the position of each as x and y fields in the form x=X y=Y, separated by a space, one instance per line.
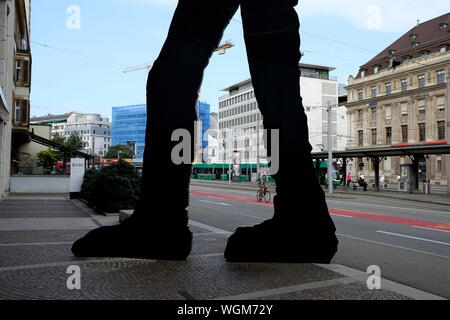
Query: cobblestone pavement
x=36 y=235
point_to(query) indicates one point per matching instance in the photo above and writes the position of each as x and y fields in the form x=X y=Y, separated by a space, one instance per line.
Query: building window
x=404 y=85
x=388 y=88
x=404 y=109
x=443 y=49
x=374 y=136
x=424 y=52
x=422 y=81
x=421 y=131
x=440 y=76
x=388 y=135
x=22 y=73
x=360 y=116
x=441 y=130
x=415 y=44
x=404 y=133
x=406 y=58
x=360 y=137
x=360 y=94
x=21 y=111
x=376 y=69
x=374 y=91
x=363 y=73
x=374 y=113
x=421 y=106
x=440 y=103
x=438 y=164
x=388 y=113
x=413 y=36
x=17 y=111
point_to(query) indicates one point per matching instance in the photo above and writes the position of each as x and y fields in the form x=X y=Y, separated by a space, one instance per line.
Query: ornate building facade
x=400 y=97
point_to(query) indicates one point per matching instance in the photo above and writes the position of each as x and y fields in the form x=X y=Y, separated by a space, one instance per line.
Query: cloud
x=385 y=15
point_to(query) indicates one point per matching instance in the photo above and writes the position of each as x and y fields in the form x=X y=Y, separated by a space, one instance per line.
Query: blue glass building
x=128 y=127
x=129 y=123
x=203 y=110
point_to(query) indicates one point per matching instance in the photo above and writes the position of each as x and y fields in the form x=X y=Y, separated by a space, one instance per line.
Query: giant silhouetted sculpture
x=301 y=229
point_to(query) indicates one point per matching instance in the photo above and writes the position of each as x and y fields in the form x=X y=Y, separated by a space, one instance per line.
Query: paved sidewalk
x=36 y=234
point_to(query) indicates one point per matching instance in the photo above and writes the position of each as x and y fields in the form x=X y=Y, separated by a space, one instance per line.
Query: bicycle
x=265 y=194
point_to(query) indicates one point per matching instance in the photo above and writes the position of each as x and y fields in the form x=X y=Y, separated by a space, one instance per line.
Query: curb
x=388 y=196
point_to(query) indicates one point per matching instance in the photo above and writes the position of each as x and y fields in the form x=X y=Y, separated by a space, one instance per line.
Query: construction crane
x=140 y=67
x=220 y=50
x=224 y=47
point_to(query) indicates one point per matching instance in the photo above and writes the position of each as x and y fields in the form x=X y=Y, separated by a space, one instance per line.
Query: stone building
x=15 y=79
x=400 y=97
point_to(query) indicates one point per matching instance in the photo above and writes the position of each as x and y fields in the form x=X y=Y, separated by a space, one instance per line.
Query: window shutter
x=24 y=111
x=25 y=72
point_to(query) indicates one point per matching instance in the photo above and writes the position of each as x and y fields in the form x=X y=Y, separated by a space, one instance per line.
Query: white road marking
x=208 y=227
x=340 y=215
x=430 y=229
x=393 y=246
x=228 y=212
x=221 y=203
x=411 y=237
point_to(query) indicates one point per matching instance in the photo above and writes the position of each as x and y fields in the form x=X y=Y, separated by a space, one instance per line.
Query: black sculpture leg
x=158 y=227
x=301 y=229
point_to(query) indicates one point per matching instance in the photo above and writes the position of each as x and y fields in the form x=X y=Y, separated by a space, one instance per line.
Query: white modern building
x=93 y=129
x=213 y=142
x=240 y=122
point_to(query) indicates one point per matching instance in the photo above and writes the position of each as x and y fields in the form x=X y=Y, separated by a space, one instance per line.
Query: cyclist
x=263 y=183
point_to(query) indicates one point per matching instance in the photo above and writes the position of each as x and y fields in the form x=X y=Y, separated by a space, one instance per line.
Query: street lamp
x=118 y=154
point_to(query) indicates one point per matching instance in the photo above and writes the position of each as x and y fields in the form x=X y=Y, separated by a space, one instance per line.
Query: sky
x=81 y=47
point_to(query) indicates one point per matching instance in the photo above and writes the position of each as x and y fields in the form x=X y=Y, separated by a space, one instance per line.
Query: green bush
x=112 y=188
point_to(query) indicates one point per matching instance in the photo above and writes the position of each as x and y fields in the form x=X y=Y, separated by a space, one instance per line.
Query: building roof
x=51 y=118
x=301 y=66
x=424 y=35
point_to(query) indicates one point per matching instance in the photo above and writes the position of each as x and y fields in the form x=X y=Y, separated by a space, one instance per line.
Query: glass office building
x=204 y=115
x=128 y=127
x=129 y=122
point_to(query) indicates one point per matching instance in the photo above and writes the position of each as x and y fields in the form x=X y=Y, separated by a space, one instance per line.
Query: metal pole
x=229 y=170
x=257 y=149
x=330 y=151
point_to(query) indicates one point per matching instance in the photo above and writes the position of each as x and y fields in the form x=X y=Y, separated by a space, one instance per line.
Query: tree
x=112 y=188
x=125 y=152
x=68 y=147
x=47 y=159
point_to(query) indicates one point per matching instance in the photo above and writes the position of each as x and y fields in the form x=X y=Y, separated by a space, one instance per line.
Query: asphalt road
x=409 y=241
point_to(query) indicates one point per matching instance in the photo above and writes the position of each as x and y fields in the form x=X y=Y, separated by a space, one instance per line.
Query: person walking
x=382 y=185
x=301 y=229
x=349 y=179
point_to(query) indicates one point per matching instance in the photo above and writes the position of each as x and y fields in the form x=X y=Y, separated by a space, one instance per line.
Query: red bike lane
x=349 y=213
